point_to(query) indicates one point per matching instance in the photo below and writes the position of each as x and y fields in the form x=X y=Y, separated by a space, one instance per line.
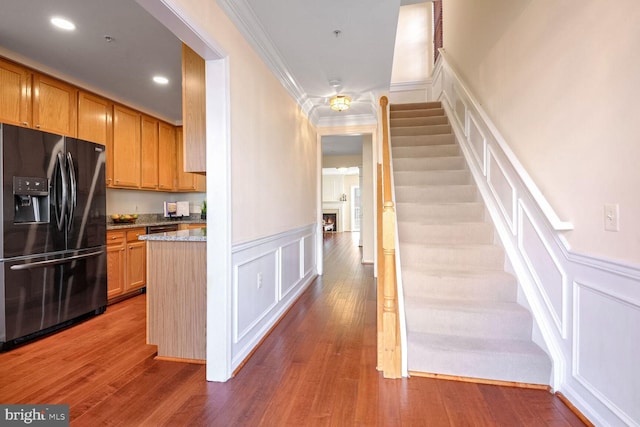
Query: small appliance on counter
x=176 y=210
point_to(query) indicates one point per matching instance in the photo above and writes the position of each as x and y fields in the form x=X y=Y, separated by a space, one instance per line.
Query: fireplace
x=329 y=222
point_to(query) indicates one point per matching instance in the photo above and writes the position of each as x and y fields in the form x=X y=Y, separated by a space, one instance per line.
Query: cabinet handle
x=38 y=126
x=109 y=180
x=25 y=123
x=114 y=237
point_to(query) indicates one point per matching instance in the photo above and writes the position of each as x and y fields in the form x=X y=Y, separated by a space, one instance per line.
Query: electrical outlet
x=259 y=280
x=612 y=217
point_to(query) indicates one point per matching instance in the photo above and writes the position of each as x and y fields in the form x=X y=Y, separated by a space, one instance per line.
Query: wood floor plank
x=316 y=368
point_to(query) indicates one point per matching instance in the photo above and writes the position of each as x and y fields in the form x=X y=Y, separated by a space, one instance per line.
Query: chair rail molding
x=586 y=308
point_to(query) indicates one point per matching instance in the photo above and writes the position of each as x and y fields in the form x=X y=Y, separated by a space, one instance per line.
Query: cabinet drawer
x=116 y=237
x=134 y=233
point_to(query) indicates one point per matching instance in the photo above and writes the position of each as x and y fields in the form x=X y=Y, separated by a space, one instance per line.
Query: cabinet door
x=185 y=180
x=149 y=153
x=193 y=110
x=126 y=147
x=116 y=252
x=166 y=156
x=136 y=265
x=95 y=125
x=55 y=105
x=15 y=93
x=201 y=183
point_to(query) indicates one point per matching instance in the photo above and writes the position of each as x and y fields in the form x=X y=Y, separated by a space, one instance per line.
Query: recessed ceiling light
x=63 y=23
x=161 y=80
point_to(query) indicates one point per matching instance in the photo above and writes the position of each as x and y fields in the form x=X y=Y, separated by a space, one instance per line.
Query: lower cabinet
x=126 y=262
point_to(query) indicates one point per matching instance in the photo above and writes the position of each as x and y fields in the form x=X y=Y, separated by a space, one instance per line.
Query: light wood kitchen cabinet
x=55 y=105
x=193 y=111
x=15 y=93
x=166 y=157
x=95 y=124
x=149 y=153
x=31 y=99
x=116 y=255
x=126 y=262
x=126 y=147
x=136 y=263
x=186 y=181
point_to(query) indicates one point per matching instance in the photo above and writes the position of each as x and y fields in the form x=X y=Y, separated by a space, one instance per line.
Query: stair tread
x=467 y=306
x=457 y=343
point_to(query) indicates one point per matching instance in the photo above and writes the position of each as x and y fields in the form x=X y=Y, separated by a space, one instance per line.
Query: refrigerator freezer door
x=47 y=291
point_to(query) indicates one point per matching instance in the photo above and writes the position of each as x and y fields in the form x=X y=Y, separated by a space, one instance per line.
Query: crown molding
x=243 y=16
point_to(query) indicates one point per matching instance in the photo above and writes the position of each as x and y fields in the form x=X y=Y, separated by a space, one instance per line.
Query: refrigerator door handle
x=73 y=200
x=57 y=261
x=60 y=205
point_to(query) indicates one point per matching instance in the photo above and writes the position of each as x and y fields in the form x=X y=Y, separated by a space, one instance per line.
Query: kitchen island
x=176 y=294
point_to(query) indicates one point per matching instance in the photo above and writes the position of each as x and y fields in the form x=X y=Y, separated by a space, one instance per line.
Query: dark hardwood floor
x=317 y=368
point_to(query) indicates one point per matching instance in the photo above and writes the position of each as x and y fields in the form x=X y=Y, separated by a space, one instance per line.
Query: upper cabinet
x=15 y=93
x=34 y=100
x=126 y=147
x=149 y=153
x=95 y=124
x=186 y=181
x=166 y=156
x=55 y=105
x=193 y=111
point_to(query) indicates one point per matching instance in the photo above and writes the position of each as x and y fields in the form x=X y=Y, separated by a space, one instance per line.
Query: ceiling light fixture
x=340 y=102
x=161 y=80
x=63 y=23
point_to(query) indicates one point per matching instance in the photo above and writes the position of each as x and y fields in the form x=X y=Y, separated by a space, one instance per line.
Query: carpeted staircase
x=461 y=309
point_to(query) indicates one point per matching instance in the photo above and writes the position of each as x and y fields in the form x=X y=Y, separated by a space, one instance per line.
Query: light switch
x=612 y=217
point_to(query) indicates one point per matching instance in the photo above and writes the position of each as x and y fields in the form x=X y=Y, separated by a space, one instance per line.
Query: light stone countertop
x=192 y=235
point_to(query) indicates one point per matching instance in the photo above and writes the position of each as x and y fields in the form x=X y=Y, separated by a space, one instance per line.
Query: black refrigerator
x=52 y=233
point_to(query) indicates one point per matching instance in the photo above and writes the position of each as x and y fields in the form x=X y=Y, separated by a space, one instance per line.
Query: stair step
x=495 y=285
x=446 y=213
x=446 y=177
x=445 y=150
x=453 y=233
x=420 y=140
x=437 y=193
x=415 y=106
x=418 y=121
x=429 y=163
x=484 y=257
x=504 y=360
x=419 y=112
x=481 y=319
x=420 y=130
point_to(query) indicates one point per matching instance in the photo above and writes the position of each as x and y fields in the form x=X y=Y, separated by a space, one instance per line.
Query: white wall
x=560 y=80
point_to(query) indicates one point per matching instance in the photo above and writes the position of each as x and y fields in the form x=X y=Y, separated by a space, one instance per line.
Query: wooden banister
x=389 y=353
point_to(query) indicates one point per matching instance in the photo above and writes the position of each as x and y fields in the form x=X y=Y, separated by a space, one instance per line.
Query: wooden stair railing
x=389 y=353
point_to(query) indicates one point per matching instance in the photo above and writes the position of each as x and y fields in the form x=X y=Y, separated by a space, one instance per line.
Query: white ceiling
x=296 y=39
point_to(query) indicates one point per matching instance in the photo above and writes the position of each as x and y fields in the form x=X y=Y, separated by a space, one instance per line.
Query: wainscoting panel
x=291 y=271
x=269 y=274
x=617 y=381
x=478 y=144
x=255 y=292
x=308 y=249
x=546 y=273
x=502 y=189
x=587 y=309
